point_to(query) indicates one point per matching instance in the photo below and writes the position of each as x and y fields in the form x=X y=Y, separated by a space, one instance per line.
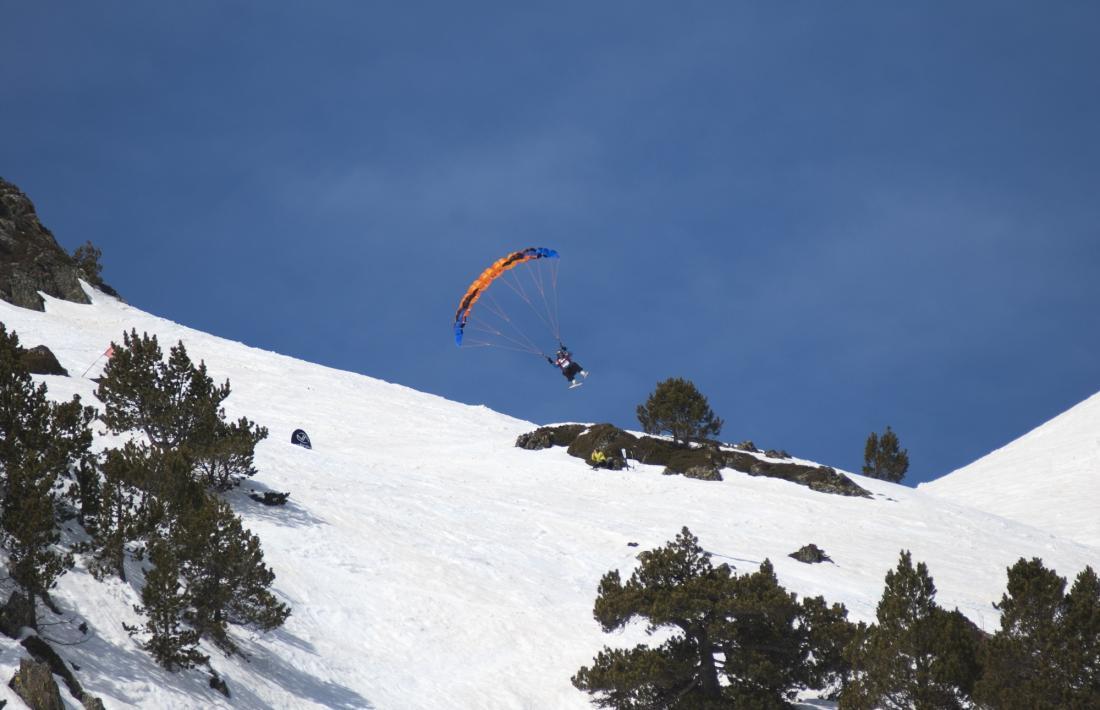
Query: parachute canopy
x=498 y=322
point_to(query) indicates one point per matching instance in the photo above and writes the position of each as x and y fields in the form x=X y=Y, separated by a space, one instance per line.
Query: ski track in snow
x=431 y=564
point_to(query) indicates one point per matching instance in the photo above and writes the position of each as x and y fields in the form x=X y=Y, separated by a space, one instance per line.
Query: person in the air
x=563 y=360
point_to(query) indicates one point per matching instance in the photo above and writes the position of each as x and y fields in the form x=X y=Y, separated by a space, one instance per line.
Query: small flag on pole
x=109 y=352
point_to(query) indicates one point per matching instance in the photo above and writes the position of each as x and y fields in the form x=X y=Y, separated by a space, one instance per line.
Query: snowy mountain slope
x=429 y=563
x=1049 y=477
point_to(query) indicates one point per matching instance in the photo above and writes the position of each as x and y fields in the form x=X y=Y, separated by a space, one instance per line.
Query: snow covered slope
x=1049 y=477
x=431 y=564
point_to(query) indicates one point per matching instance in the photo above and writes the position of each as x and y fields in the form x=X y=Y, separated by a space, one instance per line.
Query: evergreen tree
x=763 y=649
x=226 y=452
x=917 y=656
x=678 y=408
x=739 y=641
x=1081 y=631
x=39 y=441
x=165 y=601
x=883 y=458
x=128 y=509
x=87 y=257
x=1047 y=652
x=167 y=400
x=162 y=486
x=828 y=633
x=178 y=406
x=225 y=574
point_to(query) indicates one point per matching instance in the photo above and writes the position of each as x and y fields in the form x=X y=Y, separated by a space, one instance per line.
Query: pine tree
x=127 y=508
x=1047 y=652
x=763 y=649
x=39 y=442
x=165 y=601
x=178 y=406
x=87 y=257
x=1081 y=633
x=225 y=574
x=827 y=633
x=917 y=656
x=226 y=453
x=738 y=641
x=883 y=459
x=678 y=408
x=163 y=485
x=167 y=400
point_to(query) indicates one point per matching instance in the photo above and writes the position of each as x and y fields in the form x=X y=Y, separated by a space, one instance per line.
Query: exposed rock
x=34 y=683
x=810 y=554
x=548 y=436
x=704 y=461
x=818 y=478
x=608 y=438
x=703 y=473
x=827 y=480
x=270 y=497
x=31 y=259
x=44 y=653
x=91 y=702
x=218 y=683
x=16 y=614
x=40 y=360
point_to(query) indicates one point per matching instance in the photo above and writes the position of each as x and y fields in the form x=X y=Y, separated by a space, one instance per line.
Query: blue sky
x=829 y=217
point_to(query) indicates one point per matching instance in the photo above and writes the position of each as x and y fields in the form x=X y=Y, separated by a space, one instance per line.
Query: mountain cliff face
x=30 y=258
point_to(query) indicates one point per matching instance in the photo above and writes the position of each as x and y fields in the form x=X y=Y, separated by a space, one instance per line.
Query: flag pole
x=108 y=352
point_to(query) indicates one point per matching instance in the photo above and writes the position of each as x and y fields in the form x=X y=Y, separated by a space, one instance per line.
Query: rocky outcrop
x=44 y=653
x=34 y=683
x=547 y=436
x=40 y=360
x=31 y=259
x=270 y=497
x=810 y=554
x=17 y=613
x=704 y=461
x=608 y=439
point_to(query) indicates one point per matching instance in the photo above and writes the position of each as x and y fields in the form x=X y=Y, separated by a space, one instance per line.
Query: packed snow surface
x=1049 y=477
x=430 y=563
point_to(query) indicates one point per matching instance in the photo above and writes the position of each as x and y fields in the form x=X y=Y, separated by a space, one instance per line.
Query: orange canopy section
x=487 y=277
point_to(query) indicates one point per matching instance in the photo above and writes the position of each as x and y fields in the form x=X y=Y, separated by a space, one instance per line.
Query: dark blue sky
x=830 y=217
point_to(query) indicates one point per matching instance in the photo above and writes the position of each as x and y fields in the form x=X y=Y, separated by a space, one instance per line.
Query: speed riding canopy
x=520 y=312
